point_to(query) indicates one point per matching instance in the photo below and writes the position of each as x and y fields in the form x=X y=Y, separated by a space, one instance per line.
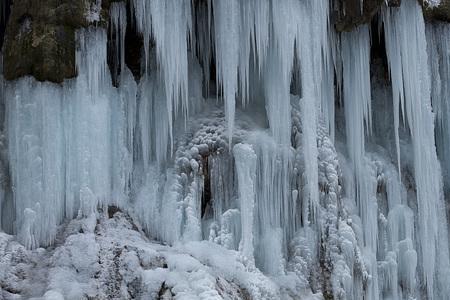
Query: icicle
x=274 y=206
x=284 y=30
x=260 y=39
x=278 y=99
x=245 y=159
x=407 y=26
x=392 y=46
x=227 y=23
x=91 y=60
x=325 y=79
x=87 y=119
x=246 y=34
x=356 y=58
x=357 y=104
x=118 y=17
x=439 y=60
x=3 y=167
x=192 y=227
x=230 y=233
x=311 y=73
x=153 y=121
x=169 y=23
x=254 y=35
x=36 y=157
x=69 y=146
x=204 y=49
x=122 y=122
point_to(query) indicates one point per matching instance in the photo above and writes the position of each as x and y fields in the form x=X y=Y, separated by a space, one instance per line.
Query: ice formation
x=269 y=153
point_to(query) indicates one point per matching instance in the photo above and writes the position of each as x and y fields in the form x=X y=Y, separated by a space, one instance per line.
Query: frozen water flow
x=278 y=190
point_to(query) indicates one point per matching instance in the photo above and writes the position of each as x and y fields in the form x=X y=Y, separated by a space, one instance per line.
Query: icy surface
x=261 y=155
x=407 y=26
x=91 y=259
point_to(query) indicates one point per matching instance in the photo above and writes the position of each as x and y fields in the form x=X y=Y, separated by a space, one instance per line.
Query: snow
x=93 y=260
x=433 y=3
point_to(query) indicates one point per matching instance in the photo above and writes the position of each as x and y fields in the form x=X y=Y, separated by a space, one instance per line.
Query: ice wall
x=57 y=169
x=278 y=163
x=406 y=27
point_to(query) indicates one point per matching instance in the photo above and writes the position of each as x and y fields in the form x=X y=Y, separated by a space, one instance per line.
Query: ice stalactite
x=312 y=88
x=276 y=224
x=34 y=129
x=406 y=26
x=397 y=258
x=275 y=209
x=439 y=60
x=168 y=202
x=355 y=54
x=324 y=65
x=261 y=34
x=278 y=72
x=278 y=99
x=152 y=113
x=58 y=171
x=118 y=15
x=227 y=25
x=86 y=120
x=245 y=159
x=259 y=174
x=169 y=25
x=3 y=166
x=398 y=97
x=123 y=109
x=356 y=89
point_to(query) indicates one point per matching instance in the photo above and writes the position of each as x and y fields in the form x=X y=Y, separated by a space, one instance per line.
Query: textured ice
x=308 y=168
x=92 y=259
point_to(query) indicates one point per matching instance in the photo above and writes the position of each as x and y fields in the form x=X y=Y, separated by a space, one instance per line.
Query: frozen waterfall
x=254 y=127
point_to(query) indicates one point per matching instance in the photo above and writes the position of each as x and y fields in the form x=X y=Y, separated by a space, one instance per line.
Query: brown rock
x=40 y=37
x=348 y=14
x=439 y=13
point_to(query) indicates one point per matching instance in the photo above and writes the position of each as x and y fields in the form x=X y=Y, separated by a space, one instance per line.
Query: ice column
x=69 y=146
x=312 y=37
x=406 y=26
x=36 y=153
x=227 y=23
x=355 y=54
x=438 y=35
x=245 y=159
x=86 y=117
x=169 y=24
x=2 y=165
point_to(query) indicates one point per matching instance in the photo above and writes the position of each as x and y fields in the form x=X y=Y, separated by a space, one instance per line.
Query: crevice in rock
x=165 y=293
x=5 y=10
x=133 y=49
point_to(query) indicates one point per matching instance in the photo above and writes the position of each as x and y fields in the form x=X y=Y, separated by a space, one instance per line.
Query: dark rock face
x=4 y=15
x=439 y=13
x=40 y=37
x=348 y=14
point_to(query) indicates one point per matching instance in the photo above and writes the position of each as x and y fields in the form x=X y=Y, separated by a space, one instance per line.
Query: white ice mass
x=261 y=155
